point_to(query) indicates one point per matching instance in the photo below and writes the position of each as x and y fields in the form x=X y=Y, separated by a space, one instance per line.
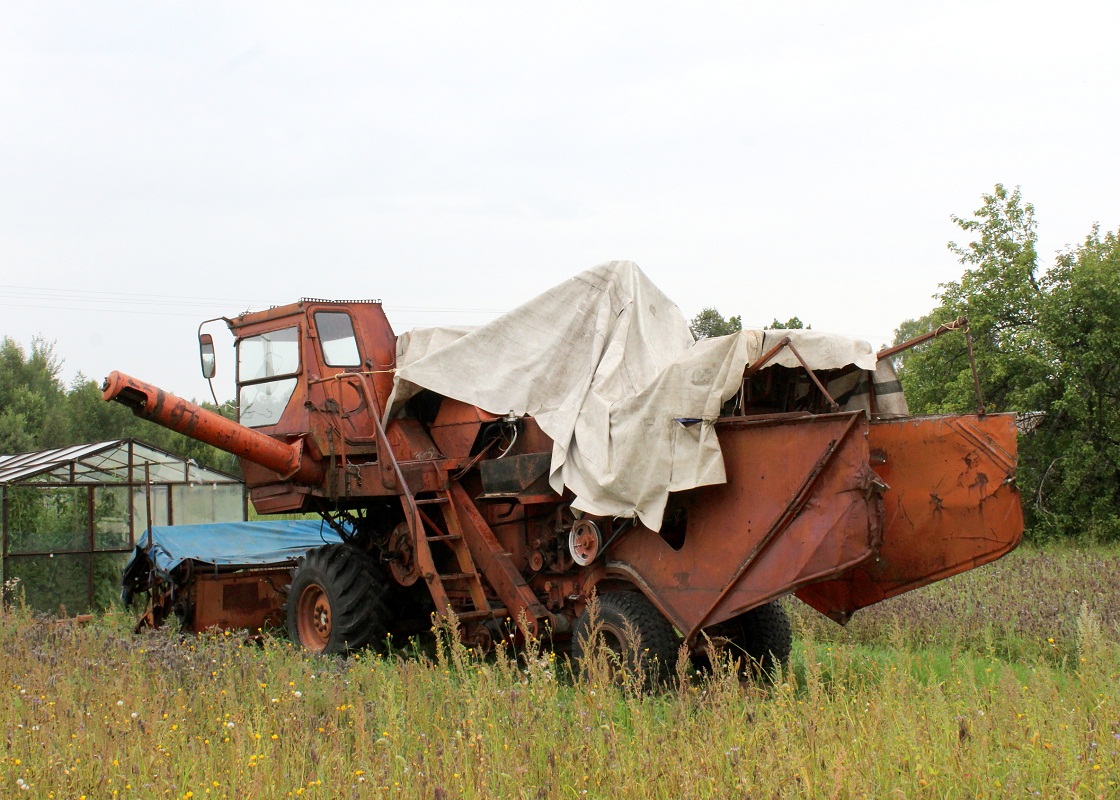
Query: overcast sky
x=162 y=163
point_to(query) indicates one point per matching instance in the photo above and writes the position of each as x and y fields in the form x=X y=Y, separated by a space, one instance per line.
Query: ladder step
x=459 y=576
x=446 y=537
x=430 y=500
x=468 y=616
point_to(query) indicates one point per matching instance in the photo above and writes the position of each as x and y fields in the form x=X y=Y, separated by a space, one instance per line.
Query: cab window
x=263 y=364
x=337 y=340
x=268 y=355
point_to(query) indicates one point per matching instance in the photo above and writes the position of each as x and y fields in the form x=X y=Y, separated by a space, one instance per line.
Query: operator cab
x=334 y=357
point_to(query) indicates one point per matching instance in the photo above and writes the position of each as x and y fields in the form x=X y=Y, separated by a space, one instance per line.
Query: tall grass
x=925 y=707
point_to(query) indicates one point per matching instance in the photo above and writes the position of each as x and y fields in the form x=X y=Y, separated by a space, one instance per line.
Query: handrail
x=961 y=324
x=957 y=324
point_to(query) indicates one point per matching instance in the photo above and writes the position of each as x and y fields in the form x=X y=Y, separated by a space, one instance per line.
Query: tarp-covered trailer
x=221 y=574
x=586 y=443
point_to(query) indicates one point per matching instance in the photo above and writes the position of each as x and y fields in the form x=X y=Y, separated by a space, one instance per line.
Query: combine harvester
x=583 y=443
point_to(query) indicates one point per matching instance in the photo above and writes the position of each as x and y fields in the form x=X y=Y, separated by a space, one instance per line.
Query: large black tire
x=762 y=637
x=335 y=602
x=642 y=641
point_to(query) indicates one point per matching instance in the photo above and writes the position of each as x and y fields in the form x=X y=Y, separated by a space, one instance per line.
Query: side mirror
x=206 y=353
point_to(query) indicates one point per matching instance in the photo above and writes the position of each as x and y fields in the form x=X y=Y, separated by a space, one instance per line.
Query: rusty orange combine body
x=443 y=506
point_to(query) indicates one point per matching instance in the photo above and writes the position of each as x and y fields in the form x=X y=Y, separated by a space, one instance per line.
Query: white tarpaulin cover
x=608 y=367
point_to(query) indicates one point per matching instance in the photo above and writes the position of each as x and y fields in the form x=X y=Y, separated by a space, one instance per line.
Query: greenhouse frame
x=72 y=515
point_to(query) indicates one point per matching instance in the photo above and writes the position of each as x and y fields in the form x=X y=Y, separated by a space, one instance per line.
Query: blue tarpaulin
x=231 y=544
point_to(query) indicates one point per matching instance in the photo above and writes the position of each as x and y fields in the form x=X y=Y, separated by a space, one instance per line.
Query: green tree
x=1043 y=343
x=32 y=398
x=709 y=322
x=791 y=324
x=1074 y=454
x=1000 y=295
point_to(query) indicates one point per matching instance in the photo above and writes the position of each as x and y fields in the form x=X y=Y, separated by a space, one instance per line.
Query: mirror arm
x=213 y=356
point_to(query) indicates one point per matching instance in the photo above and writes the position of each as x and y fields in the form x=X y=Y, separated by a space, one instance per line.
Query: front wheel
x=636 y=639
x=334 y=603
x=762 y=635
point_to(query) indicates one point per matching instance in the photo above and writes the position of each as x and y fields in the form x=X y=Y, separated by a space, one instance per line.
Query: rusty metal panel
x=952 y=505
x=512 y=475
x=252 y=599
x=409 y=440
x=456 y=427
x=800 y=504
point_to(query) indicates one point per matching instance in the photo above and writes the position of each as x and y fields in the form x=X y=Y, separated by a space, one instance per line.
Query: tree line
x=1046 y=344
x=38 y=411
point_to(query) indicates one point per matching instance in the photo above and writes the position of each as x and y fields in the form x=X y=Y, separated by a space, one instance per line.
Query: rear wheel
x=633 y=635
x=335 y=601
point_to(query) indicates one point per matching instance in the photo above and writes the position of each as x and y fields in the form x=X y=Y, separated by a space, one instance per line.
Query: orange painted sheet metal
x=952 y=505
x=800 y=504
x=252 y=599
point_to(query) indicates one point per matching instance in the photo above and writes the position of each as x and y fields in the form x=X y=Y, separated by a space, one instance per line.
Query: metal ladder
x=450 y=590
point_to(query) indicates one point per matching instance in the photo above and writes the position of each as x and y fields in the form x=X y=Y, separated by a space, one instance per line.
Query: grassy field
x=1003 y=682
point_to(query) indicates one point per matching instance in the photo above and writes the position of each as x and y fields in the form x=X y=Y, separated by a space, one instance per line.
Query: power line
x=52 y=290
x=92 y=300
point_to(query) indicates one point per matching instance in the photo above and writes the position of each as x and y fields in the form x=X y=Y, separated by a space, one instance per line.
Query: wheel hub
x=314 y=618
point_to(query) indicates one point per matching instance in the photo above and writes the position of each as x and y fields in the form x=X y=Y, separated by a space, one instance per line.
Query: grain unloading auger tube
x=286 y=459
